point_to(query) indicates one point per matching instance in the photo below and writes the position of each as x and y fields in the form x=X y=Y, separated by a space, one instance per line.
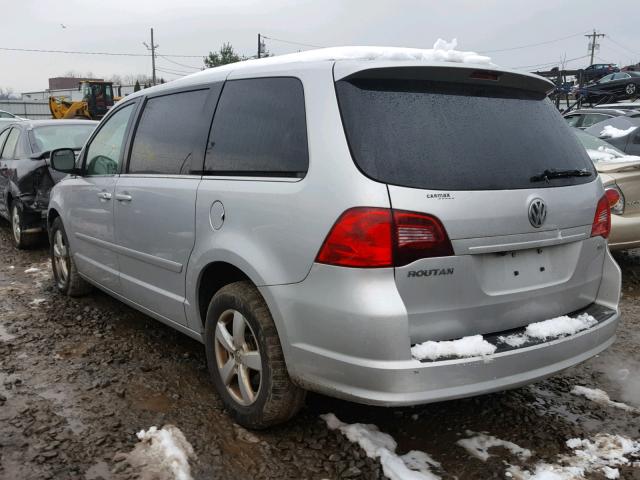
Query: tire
x=256 y=399
x=65 y=274
x=20 y=239
x=630 y=89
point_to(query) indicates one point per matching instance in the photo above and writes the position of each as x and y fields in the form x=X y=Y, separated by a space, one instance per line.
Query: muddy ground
x=79 y=377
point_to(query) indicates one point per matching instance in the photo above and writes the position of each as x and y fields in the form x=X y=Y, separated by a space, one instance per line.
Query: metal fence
x=31 y=109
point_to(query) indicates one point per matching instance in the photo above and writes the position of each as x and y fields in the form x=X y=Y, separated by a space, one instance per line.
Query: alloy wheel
x=630 y=89
x=15 y=225
x=61 y=259
x=237 y=357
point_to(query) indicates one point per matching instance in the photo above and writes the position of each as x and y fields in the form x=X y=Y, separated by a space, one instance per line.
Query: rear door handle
x=123 y=197
x=104 y=195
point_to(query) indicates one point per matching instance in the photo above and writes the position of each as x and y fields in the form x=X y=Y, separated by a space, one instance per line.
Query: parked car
x=598 y=70
x=25 y=179
x=585 y=117
x=338 y=212
x=621 y=105
x=620 y=174
x=9 y=116
x=622 y=132
x=616 y=85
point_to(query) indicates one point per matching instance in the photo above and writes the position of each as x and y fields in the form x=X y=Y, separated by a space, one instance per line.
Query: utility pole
x=592 y=43
x=152 y=49
x=259 y=45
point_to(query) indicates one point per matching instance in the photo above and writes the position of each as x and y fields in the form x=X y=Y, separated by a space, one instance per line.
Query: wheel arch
x=211 y=279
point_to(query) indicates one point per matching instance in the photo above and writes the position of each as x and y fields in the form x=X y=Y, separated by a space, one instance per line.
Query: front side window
x=10 y=145
x=172 y=130
x=105 y=151
x=606 y=78
x=259 y=129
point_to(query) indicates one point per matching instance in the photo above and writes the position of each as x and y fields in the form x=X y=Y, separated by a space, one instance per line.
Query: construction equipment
x=97 y=99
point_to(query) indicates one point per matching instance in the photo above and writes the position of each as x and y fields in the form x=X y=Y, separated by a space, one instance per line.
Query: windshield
x=50 y=137
x=443 y=136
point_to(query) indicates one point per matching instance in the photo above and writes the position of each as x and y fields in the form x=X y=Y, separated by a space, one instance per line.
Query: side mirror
x=63 y=160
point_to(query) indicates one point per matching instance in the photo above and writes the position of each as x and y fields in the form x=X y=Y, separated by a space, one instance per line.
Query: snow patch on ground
x=474 y=346
x=603 y=454
x=414 y=465
x=478 y=445
x=600 y=396
x=32 y=270
x=162 y=454
x=609 y=131
x=553 y=328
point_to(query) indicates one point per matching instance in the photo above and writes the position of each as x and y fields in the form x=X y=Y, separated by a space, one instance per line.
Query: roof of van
x=442 y=54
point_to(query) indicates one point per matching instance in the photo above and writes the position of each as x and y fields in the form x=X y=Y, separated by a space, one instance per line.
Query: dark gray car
x=25 y=179
x=622 y=132
x=585 y=117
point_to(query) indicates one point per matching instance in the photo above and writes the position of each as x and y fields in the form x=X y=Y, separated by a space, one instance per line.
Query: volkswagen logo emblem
x=537 y=212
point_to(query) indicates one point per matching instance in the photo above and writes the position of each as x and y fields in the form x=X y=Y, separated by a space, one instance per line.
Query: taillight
x=616 y=200
x=419 y=236
x=602 y=220
x=361 y=237
x=368 y=237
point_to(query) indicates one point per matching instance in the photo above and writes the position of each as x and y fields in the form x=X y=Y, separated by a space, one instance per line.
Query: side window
x=573 y=120
x=593 y=118
x=3 y=137
x=259 y=129
x=606 y=78
x=10 y=145
x=104 y=152
x=172 y=134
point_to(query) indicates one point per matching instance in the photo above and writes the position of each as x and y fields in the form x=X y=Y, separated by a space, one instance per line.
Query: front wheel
x=630 y=89
x=65 y=274
x=245 y=359
x=21 y=239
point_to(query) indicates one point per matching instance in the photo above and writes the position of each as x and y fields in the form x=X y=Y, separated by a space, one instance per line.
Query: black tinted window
x=456 y=137
x=172 y=130
x=259 y=129
x=10 y=145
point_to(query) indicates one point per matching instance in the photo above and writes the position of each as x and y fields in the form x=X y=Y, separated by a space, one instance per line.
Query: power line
x=292 y=42
x=620 y=45
x=550 y=63
x=533 y=44
x=178 y=63
x=174 y=72
x=74 y=52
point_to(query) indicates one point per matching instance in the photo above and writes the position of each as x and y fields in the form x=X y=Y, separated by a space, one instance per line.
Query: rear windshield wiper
x=549 y=174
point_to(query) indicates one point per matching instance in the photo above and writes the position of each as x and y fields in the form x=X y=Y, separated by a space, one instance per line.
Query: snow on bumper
x=413 y=382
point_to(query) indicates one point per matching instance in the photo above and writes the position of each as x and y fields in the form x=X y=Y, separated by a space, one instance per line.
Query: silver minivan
x=318 y=223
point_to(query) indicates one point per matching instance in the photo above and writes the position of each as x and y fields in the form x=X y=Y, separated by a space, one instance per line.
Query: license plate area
x=519 y=270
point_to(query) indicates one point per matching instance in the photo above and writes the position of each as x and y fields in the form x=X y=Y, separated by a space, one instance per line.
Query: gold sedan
x=620 y=174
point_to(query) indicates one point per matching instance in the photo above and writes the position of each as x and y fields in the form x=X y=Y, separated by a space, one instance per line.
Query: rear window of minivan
x=447 y=136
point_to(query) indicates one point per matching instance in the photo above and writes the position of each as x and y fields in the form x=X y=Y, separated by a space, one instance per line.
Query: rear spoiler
x=457 y=73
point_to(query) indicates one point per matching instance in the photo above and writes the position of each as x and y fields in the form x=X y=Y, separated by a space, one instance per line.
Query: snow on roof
x=442 y=51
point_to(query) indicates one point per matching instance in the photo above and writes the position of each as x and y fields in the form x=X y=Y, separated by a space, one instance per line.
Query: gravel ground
x=79 y=378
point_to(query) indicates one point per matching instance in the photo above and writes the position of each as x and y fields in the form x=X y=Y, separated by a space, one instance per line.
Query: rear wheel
x=630 y=89
x=21 y=239
x=65 y=274
x=245 y=359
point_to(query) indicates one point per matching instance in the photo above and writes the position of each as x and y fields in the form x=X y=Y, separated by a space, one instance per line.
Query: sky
x=195 y=27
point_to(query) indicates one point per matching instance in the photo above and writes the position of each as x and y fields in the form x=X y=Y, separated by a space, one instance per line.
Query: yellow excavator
x=97 y=99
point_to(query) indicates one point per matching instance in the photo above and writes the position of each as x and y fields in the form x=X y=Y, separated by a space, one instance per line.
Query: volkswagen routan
x=386 y=228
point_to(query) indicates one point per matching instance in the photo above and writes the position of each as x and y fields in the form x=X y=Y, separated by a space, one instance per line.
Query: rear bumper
x=412 y=382
x=625 y=232
x=345 y=333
